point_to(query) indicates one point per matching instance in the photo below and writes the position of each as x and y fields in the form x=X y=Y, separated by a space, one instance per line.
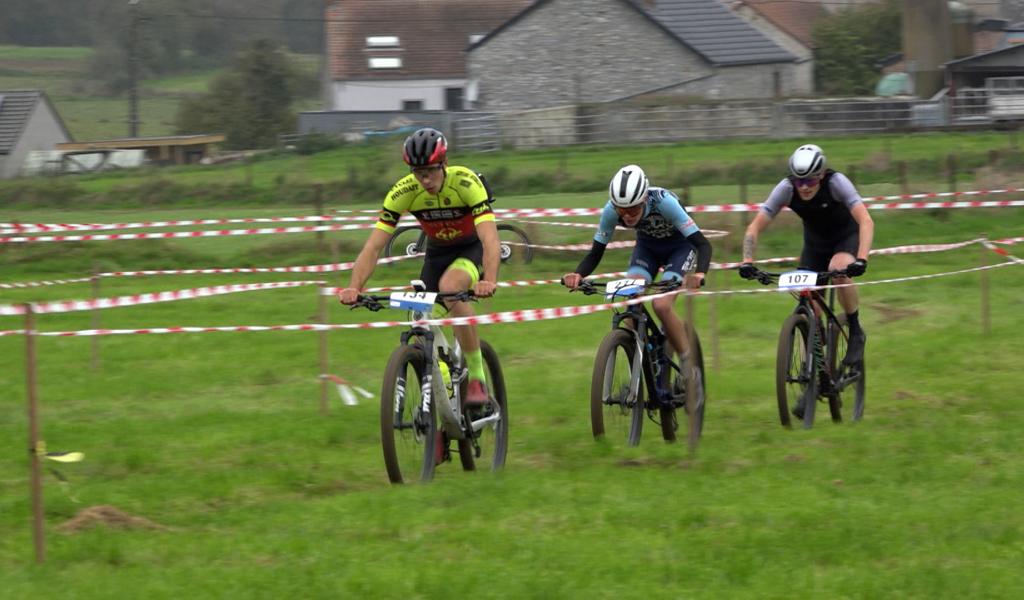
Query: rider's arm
x=592 y=259
x=605 y=231
x=843 y=190
x=487 y=230
x=366 y=262
x=703 y=247
x=779 y=198
x=867 y=230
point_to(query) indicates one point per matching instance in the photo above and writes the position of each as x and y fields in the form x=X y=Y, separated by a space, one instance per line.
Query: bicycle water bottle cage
x=623 y=288
x=414 y=301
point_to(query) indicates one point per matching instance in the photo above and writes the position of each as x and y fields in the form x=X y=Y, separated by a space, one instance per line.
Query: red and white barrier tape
x=8 y=228
x=515 y=316
x=64 y=306
x=179 y=234
x=330 y=268
x=13 y=228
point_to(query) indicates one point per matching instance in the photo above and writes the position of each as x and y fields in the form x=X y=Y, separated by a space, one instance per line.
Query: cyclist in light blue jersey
x=666 y=237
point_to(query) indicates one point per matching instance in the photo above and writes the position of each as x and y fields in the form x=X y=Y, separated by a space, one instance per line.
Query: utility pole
x=133 y=71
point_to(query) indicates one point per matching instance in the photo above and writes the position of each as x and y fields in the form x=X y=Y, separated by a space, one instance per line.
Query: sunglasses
x=422 y=172
x=806 y=181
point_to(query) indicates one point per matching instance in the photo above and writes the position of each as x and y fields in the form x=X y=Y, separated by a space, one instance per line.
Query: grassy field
x=63 y=73
x=248 y=491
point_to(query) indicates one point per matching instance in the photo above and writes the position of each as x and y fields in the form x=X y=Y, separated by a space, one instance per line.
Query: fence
x=632 y=123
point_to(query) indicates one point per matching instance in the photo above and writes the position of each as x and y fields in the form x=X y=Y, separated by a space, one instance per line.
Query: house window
x=382 y=41
x=475 y=37
x=385 y=62
x=411 y=105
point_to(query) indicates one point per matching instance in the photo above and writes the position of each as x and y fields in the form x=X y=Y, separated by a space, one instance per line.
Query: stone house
x=561 y=52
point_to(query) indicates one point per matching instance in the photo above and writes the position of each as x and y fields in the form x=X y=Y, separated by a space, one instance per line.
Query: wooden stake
x=95 y=318
x=36 y=476
x=322 y=318
x=986 y=316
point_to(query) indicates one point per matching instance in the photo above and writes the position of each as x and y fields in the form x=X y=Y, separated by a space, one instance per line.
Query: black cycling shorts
x=817 y=253
x=439 y=258
x=648 y=256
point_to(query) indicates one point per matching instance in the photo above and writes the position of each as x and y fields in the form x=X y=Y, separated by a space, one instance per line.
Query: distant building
x=28 y=122
x=562 y=52
x=410 y=55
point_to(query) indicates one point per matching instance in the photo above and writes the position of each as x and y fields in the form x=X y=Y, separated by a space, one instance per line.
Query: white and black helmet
x=807 y=161
x=628 y=187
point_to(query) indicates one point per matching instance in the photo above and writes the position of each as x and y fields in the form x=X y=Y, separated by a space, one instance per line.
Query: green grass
x=217 y=437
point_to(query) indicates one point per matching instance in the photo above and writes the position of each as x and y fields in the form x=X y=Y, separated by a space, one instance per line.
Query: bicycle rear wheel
x=794 y=369
x=407 y=432
x=838 y=334
x=406 y=240
x=612 y=405
x=696 y=394
x=489 y=439
x=837 y=350
x=688 y=394
x=515 y=245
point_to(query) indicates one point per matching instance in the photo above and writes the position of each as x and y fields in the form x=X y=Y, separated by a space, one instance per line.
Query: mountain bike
x=636 y=351
x=514 y=244
x=809 y=363
x=421 y=410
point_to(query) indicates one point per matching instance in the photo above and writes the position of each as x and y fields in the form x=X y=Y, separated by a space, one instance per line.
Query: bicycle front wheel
x=406 y=240
x=408 y=430
x=488 y=438
x=613 y=407
x=794 y=369
x=515 y=245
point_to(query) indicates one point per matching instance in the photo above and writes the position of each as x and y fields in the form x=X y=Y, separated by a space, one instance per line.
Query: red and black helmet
x=424 y=148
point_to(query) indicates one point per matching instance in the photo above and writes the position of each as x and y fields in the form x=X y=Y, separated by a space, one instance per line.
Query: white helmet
x=807 y=161
x=628 y=187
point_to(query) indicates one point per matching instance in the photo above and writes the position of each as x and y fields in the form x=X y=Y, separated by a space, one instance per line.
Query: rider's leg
x=847 y=295
x=460 y=276
x=850 y=302
x=664 y=308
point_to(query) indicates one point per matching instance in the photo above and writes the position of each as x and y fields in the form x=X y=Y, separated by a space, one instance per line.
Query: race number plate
x=795 y=280
x=421 y=301
x=623 y=288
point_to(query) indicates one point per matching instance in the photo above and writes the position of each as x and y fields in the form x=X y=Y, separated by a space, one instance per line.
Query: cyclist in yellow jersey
x=451 y=204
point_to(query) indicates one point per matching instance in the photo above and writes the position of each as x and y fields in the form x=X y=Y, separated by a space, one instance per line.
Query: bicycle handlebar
x=374 y=303
x=590 y=287
x=768 y=277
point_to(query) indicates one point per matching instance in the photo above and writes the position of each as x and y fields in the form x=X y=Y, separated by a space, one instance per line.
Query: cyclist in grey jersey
x=666 y=237
x=838 y=230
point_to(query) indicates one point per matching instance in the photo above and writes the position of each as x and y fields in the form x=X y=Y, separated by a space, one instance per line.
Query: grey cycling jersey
x=827 y=214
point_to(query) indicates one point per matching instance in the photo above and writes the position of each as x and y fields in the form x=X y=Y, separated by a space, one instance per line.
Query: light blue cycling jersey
x=664 y=218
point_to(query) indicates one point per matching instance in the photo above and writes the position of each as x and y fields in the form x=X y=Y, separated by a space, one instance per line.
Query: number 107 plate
x=798 y=279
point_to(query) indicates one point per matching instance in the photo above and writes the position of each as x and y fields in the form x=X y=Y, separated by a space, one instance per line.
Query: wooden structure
x=166 y=150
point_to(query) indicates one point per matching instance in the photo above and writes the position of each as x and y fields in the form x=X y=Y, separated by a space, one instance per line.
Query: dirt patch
x=108 y=516
x=888 y=314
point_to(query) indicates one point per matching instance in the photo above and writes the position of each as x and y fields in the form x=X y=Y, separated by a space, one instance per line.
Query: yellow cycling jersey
x=448 y=218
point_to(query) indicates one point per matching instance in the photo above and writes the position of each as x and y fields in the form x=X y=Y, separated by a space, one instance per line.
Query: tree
x=849 y=44
x=250 y=103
